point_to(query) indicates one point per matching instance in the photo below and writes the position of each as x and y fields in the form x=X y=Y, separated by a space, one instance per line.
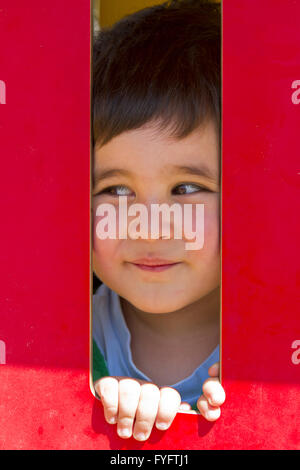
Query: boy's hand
x=136 y=405
x=213 y=395
x=125 y=399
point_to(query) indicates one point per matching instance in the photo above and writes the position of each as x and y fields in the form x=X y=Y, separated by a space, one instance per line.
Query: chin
x=157 y=306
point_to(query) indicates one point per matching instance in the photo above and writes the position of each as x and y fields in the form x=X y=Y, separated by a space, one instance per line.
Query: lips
x=153 y=262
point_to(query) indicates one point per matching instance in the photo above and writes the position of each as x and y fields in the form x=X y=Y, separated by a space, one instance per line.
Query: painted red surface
x=45 y=400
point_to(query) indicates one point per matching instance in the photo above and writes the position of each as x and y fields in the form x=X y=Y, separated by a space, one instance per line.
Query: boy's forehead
x=151 y=146
x=158 y=131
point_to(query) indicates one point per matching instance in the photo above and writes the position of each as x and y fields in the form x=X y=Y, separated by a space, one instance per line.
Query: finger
x=168 y=406
x=107 y=389
x=129 y=394
x=213 y=391
x=214 y=370
x=140 y=381
x=185 y=406
x=146 y=411
x=210 y=413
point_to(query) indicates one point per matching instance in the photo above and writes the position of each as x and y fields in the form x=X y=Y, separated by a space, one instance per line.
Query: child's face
x=150 y=157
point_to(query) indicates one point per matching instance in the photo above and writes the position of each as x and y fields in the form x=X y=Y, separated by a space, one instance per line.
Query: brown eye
x=181 y=188
x=112 y=190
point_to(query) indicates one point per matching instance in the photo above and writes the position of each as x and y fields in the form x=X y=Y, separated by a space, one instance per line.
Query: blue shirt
x=112 y=337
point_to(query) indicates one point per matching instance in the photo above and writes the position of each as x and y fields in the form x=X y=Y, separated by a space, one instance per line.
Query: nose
x=154 y=220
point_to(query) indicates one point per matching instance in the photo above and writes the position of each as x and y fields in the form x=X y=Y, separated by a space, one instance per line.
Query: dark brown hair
x=160 y=64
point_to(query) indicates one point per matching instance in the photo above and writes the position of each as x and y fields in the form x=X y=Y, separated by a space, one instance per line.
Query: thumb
x=214 y=370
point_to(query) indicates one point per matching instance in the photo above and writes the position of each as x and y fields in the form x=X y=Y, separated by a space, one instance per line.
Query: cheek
x=105 y=259
x=206 y=262
x=208 y=221
x=212 y=230
x=104 y=251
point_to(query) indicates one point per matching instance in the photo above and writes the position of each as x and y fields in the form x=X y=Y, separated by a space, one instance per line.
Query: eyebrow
x=103 y=174
x=202 y=170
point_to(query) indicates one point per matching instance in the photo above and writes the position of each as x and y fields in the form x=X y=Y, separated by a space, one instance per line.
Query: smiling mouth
x=154 y=268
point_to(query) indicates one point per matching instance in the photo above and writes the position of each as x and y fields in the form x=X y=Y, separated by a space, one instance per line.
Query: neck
x=202 y=315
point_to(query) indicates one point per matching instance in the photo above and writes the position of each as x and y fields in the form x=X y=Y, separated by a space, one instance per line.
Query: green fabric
x=100 y=367
x=99 y=364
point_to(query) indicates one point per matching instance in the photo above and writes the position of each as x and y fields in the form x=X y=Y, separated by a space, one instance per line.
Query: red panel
x=261 y=206
x=45 y=400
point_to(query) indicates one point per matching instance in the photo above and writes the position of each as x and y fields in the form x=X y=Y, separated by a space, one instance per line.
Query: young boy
x=156 y=316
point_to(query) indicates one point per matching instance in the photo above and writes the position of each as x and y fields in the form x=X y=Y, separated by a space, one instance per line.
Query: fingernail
x=112 y=420
x=212 y=415
x=216 y=398
x=124 y=432
x=141 y=436
x=185 y=407
x=162 y=426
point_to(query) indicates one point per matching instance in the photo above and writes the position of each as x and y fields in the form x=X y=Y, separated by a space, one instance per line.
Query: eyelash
x=109 y=188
